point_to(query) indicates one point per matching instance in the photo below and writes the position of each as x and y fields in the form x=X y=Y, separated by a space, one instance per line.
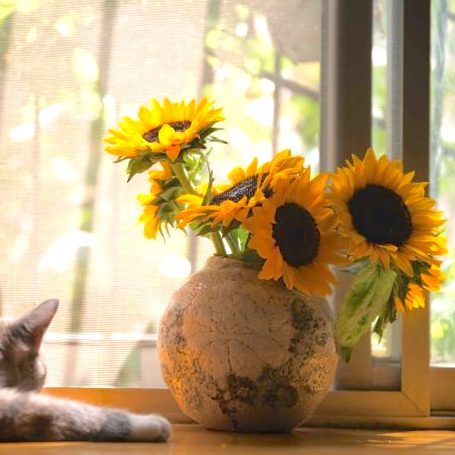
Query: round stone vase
x=244 y=354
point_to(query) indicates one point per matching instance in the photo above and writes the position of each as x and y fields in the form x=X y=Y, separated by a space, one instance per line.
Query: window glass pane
x=68 y=223
x=443 y=172
x=379 y=77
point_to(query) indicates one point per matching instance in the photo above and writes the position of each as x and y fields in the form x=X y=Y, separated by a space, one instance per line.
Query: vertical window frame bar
x=415 y=358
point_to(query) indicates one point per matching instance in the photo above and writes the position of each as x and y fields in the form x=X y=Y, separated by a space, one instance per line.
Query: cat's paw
x=150 y=428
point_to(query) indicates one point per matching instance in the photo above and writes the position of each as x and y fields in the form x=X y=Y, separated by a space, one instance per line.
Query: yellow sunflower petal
x=399 y=305
x=190 y=199
x=404 y=265
x=237 y=175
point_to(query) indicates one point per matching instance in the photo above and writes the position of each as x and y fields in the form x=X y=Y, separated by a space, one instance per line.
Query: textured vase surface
x=244 y=354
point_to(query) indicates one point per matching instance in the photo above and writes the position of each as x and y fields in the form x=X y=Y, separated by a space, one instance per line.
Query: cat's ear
x=31 y=327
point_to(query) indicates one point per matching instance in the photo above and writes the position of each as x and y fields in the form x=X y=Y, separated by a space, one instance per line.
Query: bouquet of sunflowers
x=369 y=218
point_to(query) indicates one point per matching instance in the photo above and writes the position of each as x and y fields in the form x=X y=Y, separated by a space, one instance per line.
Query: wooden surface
x=193 y=440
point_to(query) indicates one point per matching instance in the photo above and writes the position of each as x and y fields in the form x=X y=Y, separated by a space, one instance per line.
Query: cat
x=26 y=415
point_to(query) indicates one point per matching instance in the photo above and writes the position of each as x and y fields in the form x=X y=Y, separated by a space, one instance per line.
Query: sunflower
x=292 y=231
x=247 y=188
x=160 y=205
x=163 y=128
x=384 y=215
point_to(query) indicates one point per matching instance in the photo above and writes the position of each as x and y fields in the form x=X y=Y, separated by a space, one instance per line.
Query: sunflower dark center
x=296 y=234
x=152 y=135
x=246 y=187
x=380 y=215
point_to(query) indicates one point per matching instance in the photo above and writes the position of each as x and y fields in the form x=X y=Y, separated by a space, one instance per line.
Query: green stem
x=232 y=243
x=218 y=242
x=180 y=173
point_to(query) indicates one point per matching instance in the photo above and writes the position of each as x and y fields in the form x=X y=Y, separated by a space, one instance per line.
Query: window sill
x=194 y=440
x=160 y=401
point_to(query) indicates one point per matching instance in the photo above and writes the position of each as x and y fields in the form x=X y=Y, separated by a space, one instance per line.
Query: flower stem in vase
x=187 y=185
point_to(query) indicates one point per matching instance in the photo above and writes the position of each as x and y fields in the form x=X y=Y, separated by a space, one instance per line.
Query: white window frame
x=346 y=129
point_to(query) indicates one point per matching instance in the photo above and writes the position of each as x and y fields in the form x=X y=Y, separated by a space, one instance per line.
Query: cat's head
x=20 y=340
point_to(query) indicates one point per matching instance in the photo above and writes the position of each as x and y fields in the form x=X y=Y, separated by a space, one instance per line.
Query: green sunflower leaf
x=173 y=182
x=366 y=299
x=355 y=267
x=122 y=158
x=139 y=164
x=215 y=139
x=388 y=316
x=205 y=229
x=171 y=193
x=211 y=179
x=209 y=129
x=166 y=212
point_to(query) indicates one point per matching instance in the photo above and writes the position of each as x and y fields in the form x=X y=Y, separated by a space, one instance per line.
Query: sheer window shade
x=68 y=223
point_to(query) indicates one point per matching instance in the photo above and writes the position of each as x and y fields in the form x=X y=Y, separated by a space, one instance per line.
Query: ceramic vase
x=244 y=354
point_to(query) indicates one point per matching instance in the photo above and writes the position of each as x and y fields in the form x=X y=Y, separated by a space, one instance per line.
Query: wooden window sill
x=192 y=439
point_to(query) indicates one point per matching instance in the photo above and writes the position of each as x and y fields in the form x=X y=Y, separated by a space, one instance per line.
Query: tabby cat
x=26 y=415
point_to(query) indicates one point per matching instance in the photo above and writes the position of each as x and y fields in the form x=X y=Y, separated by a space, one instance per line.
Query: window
x=344 y=77
x=69 y=224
